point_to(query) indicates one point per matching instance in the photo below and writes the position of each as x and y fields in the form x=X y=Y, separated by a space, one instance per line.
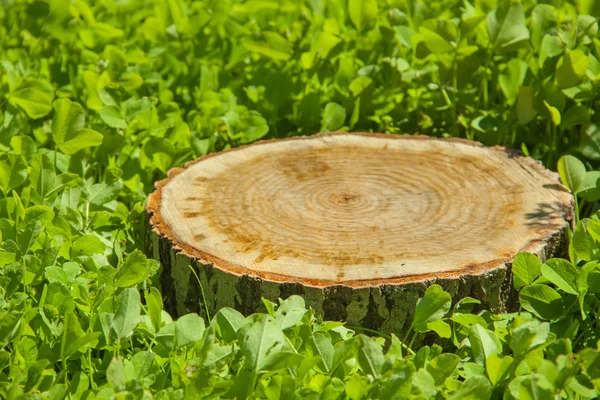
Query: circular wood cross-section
x=344 y=213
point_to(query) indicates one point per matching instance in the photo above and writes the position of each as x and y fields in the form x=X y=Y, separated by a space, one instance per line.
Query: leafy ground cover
x=98 y=100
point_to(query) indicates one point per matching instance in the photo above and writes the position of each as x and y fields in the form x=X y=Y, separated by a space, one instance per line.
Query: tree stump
x=358 y=224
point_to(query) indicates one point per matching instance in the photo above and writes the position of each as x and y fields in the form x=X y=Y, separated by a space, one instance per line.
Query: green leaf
x=485 y=124
x=101 y=193
x=34 y=96
x=544 y=22
x=571 y=68
x=142 y=363
x=344 y=350
x=590 y=142
x=282 y=360
x=87 y=245
x=363 y=13
x=355 y=387
x=29 y=235
x=582 y=241
x=431 y=307
x=442 y=367
x=468 y=320
x=166 y=336
x=424 y=383
x=440 y=327
x=127 y=313
x=67 y=128
x=551 y=48
x=528 y=337
x=280 y=387
x=78 y=385
x=256 y=127
x=575 y=115
x=112 y=116
x=571 y=171
x=154 y=305
x=561 y=273
x=496 y=367
x=359 y=84
x=583 y=386
x=9 y=322
x=79 y=343
x=532 y=386
x=24 y=146
x=592 y=226
x=422 y=357
x=484 y=343
x=334 y=117
x=261 y=340
x=589 y=189
x=133 y=107
x=511 y=79
x=436 y=43
x=506 y=27
x=229 y=322
x=526 y=268
x=67 y=121
x=370 y=356
x=189 y=329
x=399 y=385
x=115 y=374
x=321 y=345
x=85 y=138
x=267 y=49
x=13 y=172
x=135 y=269
x=466 y=304
x=34 y=373
x=583 y=274
x=71 y=332
x=290 y=312
x=543 y=301
x=130 y=81
x=474 y=388
x=56 y=274
x=64 y=182
x=525 y=109
x=41 y=214
x=43 y=175
x=554 y=113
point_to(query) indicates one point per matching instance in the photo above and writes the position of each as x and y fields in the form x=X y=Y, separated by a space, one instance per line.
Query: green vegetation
x=98 y=100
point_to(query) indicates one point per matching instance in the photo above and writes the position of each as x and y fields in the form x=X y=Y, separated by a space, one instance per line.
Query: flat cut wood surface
x=359 y=209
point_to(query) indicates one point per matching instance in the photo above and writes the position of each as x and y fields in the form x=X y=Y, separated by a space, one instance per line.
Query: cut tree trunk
x=357 y=224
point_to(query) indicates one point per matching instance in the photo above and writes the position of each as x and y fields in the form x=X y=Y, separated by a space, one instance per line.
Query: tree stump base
x=357 y=224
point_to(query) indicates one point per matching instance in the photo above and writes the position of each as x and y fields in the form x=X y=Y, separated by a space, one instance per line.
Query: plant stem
x=576 y=209
x=360 y=328
x=201 y=291
x=412 y=340
x=407 y=333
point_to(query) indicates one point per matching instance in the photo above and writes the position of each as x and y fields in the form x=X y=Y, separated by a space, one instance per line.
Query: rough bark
x=540 y=210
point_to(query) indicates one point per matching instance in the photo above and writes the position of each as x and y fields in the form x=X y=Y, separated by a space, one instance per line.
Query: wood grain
x=352 y=209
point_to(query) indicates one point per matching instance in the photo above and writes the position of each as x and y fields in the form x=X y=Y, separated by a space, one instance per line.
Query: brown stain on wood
x=303 y=169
